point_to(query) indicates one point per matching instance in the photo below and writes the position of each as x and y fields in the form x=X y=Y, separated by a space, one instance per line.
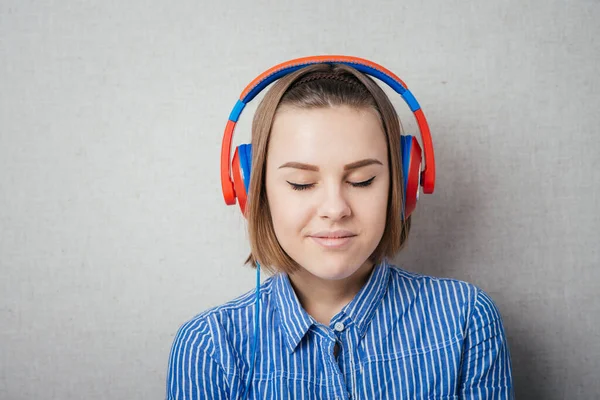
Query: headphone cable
x=255 y=341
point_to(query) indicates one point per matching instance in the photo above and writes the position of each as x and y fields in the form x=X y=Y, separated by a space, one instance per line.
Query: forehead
x=325 y=136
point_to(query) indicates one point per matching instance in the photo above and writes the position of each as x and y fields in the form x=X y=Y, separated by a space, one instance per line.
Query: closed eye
x=363 y=183
x=298 y=186
x=305 y=186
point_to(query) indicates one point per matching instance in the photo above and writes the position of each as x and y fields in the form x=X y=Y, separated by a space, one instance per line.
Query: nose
x=334 y=205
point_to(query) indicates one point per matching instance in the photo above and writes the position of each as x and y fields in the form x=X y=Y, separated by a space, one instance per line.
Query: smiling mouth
x=340 y=241
x=333 y=236
x=337 y=234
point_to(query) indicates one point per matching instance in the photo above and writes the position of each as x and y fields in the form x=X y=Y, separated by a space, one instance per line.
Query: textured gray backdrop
x=113 y=230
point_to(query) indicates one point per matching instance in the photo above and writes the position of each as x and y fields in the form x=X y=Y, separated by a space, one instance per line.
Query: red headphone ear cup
x=238 y=181
x=414 y=178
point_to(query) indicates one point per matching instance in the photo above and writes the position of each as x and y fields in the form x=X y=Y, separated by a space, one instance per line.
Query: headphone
x=235 y=175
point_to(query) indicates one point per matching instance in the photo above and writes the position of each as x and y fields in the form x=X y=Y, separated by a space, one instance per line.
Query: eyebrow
x=347 y=167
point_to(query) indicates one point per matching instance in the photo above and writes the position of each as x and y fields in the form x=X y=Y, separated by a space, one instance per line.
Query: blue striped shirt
x=403 y=336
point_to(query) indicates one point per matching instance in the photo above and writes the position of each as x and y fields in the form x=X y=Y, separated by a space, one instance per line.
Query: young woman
x=333 y=183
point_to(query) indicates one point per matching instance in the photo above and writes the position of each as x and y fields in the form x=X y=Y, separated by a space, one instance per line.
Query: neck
x=323 y=298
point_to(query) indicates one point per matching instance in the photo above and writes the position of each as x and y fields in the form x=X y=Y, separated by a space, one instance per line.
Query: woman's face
x=327 y=182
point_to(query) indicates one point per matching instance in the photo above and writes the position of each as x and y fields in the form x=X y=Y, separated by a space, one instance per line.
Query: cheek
x=372 y=208
x=289 y=212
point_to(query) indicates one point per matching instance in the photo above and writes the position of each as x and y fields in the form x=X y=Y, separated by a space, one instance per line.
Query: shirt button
x=338 y=326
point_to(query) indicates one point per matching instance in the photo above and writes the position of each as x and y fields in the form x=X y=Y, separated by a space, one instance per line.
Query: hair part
x=311 y=87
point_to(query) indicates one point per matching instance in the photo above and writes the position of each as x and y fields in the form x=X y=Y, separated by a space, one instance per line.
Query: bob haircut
x=312 y=87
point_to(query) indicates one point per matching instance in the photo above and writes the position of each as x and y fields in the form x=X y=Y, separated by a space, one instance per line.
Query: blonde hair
x=318 y=86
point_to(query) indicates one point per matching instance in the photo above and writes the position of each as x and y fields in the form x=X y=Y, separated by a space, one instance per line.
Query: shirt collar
x=295 y=321
x=361 y=309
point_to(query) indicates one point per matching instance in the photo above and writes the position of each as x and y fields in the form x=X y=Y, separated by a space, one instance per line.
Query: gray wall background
x=113 y=230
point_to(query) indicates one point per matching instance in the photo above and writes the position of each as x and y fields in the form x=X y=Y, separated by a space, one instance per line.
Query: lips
x=333 y=239
x=333 y=234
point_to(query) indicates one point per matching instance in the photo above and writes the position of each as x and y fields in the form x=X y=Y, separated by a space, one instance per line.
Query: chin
x=333 y=270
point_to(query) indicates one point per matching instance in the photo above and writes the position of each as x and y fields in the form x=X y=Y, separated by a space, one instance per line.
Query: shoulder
x=456 y=296
x=435 y=288
x=211 y=330
x=205 y=356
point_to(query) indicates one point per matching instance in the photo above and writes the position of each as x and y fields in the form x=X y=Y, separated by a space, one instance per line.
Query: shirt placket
x=340 y=336
x=336 y=387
